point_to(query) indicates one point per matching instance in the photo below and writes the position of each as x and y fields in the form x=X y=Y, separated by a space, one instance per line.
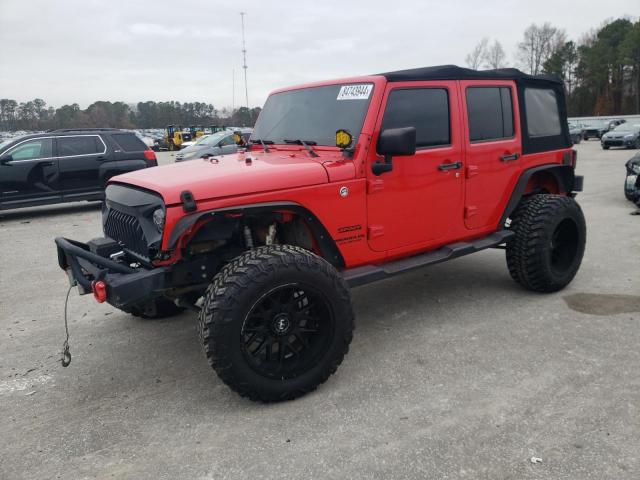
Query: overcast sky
x=131 y=50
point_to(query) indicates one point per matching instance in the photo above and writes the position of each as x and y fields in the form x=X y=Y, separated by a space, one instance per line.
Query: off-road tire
x=158 y=308
x=629 y=194
x=533 y=259
x=234 y=292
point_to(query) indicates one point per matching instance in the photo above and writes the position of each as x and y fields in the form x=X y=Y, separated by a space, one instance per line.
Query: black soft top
x=453 y=72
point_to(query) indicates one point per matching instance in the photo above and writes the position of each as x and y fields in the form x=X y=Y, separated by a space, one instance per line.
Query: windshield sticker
x=355 y=92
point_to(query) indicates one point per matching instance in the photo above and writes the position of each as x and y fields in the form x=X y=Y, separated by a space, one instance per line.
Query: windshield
x=212 y=139
x=5 y=143
x=314 y=114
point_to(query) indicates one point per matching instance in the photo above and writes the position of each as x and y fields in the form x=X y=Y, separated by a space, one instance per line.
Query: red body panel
x=413 y=208
x=229 y=176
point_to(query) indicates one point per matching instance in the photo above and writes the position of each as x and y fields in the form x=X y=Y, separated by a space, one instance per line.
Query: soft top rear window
x=129 y=142
x=543 y=117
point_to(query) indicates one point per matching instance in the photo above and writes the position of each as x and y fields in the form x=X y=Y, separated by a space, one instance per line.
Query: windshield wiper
x=264 y=143
x=305 y=145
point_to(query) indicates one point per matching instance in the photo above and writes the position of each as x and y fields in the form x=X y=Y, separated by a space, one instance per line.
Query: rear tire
x=546 y=251
x=276 y=322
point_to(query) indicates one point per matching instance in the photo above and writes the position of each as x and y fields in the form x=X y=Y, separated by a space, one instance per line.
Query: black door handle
x=508 y=158
x=450 y=166
x=101 y=158
x=47 y=164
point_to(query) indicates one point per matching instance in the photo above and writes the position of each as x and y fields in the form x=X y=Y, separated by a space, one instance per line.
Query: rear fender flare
x=328 y=248
x=564 y=176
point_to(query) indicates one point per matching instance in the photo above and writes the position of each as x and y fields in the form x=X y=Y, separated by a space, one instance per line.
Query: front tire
x=276 y=322
x=546 y=251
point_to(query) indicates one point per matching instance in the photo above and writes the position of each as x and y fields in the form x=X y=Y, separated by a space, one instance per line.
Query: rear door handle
x=508 y=158
x=47 y=164
x=450 y=166
x=101 y=158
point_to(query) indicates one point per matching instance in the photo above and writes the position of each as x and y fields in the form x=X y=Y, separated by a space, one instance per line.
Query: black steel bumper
x=125 y=286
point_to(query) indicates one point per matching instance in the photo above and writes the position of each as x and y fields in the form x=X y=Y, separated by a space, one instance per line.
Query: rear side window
x=426 y=109
x=543 y=118
x=490 y=112
x=81 y=145
x=129 y=142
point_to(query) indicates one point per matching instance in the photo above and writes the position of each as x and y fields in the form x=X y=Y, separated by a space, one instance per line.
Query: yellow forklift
x=196 y=131
x=176 y=136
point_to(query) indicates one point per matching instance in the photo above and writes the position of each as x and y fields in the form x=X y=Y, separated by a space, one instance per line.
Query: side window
x=490 y=112
x=543 y=118
x=227 y=141
x=80 y=145
x=39 y=148
x=426 y=109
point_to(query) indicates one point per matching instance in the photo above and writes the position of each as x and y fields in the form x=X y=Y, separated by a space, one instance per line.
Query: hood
x=230 y=175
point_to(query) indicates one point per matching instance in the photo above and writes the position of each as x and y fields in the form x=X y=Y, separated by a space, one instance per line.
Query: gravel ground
x=454 y=371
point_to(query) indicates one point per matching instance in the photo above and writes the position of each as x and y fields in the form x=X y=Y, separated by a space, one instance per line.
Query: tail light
x=574 y=158
x=99 y=289
x=150 y=155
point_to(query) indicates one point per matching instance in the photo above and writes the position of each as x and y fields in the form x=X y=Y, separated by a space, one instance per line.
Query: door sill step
x=371 y=273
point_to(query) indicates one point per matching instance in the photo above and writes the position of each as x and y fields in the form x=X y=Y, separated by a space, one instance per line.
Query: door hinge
x=375 y=231
x=470 y=211
x=375 y=185
x=472 y=171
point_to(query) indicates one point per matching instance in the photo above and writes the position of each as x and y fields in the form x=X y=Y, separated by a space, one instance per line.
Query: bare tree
x=475 y=58
x=539 y=43
x=494 y=56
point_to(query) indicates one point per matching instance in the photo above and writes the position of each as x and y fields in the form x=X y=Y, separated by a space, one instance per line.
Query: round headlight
x=158 y=219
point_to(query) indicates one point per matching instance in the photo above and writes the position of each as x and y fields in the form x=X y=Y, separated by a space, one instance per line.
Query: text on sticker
x=355 y=92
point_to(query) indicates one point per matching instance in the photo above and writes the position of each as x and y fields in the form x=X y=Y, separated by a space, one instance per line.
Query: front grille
x=126 y=230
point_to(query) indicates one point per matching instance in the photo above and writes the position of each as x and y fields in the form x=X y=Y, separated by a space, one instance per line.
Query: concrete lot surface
x=454 y=371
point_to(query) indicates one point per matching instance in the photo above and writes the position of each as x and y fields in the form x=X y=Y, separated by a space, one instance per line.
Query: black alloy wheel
x=287 y=330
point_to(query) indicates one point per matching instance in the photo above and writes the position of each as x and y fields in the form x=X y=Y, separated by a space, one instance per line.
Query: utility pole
x=233 y=91
x=244 y=60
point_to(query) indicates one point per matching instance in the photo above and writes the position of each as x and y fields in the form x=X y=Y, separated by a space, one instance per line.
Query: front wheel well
x=245 y=228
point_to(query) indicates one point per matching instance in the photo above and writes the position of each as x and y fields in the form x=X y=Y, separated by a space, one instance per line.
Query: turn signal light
x=99 y=289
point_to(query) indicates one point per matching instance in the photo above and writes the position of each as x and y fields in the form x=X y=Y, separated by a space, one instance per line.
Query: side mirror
x=394 y=142
x=4 y=159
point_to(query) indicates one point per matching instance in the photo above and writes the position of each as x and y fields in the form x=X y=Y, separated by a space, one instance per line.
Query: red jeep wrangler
x=345 y=182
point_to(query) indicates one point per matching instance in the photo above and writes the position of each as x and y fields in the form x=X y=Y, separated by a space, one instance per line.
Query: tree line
x=36 y=115
x=601 y=70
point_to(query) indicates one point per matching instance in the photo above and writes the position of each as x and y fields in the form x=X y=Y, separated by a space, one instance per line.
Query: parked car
x=67 y=165
x=575 y=131
x=624 y=135
x=345 y=182
x=597 y=128
x=594 y=129
x=220 y=143
x=632 y=180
